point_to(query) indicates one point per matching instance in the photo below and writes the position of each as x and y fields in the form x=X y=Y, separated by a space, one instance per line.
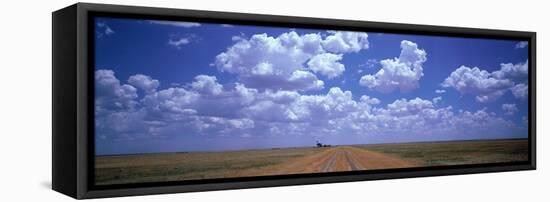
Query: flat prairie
x=457 y=152
x=162 y=167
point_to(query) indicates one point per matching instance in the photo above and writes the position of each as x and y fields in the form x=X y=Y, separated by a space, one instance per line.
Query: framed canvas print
x=154 y=100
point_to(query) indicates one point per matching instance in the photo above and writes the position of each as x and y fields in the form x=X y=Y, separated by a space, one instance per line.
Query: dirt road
x=335 y=159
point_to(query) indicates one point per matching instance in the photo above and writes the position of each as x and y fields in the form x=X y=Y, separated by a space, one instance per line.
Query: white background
x=25 y=102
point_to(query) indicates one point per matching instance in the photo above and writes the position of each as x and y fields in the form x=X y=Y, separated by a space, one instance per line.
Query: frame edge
x=64 y=157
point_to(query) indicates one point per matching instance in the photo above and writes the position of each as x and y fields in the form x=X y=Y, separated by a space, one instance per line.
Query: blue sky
x=164 y=86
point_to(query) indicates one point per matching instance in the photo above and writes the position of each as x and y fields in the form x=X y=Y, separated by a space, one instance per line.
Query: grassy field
x=188 y=166
x=457 y=152
x=208 y=165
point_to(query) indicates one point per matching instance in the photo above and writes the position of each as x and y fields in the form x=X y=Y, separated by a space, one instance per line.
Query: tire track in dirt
x=328 y=166
x=353 y=165
x=336 y=159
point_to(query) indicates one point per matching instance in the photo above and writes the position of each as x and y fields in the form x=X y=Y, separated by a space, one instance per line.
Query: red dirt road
x=335 y=159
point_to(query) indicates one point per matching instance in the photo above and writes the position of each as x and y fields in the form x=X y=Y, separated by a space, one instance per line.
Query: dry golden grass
x=457 y=152
x=210 y=165
x=188 y=166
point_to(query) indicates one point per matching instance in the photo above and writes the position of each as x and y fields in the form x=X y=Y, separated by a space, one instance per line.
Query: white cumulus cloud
x=486 y=86
x=289 y=61
x=273 y=62
x=371 y=101
x=111 y=94
x=208 y=85
x=437 y=99
x=345 y=42
x=401 y=73
x=327 y=64
x=520 y=91
x=509 y=109
x=477 y=82
x=273 y=87
x=143 y=82
x=515 y=72
x=172 y=103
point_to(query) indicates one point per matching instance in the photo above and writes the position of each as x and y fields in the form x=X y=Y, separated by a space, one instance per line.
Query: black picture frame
x=73 y=98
